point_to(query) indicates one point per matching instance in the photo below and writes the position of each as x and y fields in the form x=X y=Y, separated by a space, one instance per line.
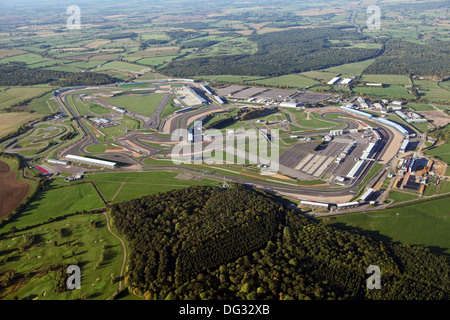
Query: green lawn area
x=96 y=148
x=144 y=104
x=94 y=249
x=424 y=224
x=112 y=132
x=442 y=152
x=169 y=109
x=57 y=202
x=130 y=123
x=400 y=196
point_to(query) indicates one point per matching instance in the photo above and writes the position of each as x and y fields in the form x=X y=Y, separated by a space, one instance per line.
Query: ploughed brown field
x=11 y=190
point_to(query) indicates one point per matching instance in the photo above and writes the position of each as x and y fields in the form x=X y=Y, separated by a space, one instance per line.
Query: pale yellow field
x=9 y=53
x=97 y=44
x=11 y=121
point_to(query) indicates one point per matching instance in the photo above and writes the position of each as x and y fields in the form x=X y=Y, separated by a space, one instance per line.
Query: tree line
x=17 y=74
x=280 y=53
x=240 y=243
x=402 y=57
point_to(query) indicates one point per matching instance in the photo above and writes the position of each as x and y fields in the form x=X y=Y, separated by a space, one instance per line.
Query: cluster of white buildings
x=411 y=117
x=338 y=80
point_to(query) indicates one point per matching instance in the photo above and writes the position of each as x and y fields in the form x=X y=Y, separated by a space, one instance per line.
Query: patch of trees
x=183 y=35
x=239 y=243
x=440 y=134
x=116 y=36
x=16 y=74
x=253 y=114
x=402 y=57
x=280 y=53
x=221 y=123
x=198 y=44
x=69 y=136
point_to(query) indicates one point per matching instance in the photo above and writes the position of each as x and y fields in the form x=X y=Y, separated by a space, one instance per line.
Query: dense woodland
x=16 y=74
x=280 y=53
x=239 y=243
x=403 y=57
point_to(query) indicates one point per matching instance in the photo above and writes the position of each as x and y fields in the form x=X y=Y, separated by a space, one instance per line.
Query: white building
x=366 y=195
x=90 y=161
x=334 y=80
x=287 y=104
x=378 y=105
x=346 y=81
x=364 y=105
x=315 y=205
x=404 y=146
x=374 y=84
x=336 y=132
x=54 y=161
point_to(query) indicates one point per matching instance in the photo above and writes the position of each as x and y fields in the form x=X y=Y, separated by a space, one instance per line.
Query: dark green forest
x=240 y=243
x=280 y=53
x=403 y=57
x=16 y=74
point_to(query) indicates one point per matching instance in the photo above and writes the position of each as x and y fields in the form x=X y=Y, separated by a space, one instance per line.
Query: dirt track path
x=124 y=252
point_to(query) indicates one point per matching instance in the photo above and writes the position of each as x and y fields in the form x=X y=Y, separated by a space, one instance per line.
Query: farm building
x=374 y=84
x=346 y=81
x=334 y=80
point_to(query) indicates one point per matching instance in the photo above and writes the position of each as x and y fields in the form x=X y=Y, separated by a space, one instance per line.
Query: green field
x=228 y=78
x=424 y=224
x=28 y=58
x=399 y=196
x=144 y=104
x=291 y=80
x=57 y=202
x=122 y=66
x=420 y=107
x=321 y=76
x=389 y=92
x=123 y=186
x=386 y=79
x=13 y=95
x=78 y=242
x=355 y=68
x=442 y=152
x=431 y=91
